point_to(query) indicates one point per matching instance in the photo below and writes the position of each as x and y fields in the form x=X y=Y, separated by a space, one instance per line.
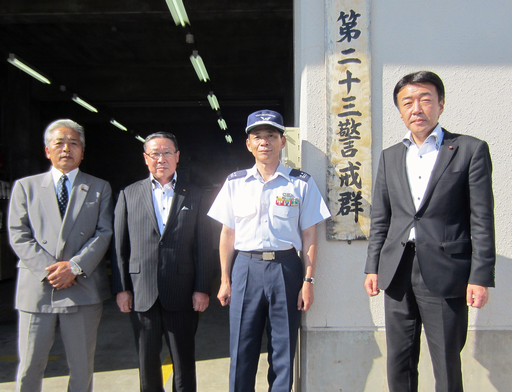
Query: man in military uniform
x=268 y=213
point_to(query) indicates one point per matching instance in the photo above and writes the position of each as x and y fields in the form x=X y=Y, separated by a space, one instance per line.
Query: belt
x=277 y=254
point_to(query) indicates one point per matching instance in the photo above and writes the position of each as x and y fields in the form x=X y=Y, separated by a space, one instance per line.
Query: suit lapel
x=447 y=151
x=180 y=192
x=77 y=198
x=402 y=176
x=146 y=190
x=49 y=202
x=75 y=203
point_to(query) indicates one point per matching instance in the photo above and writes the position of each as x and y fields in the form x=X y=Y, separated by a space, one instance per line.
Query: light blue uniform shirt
x=269 y=216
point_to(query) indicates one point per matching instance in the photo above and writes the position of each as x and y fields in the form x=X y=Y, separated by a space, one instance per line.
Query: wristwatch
x=75 y=268
x=310 y=280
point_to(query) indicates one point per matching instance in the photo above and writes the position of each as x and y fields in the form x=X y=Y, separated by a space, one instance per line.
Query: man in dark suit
x=60 y=225
x=164 y=264
x=431 y=242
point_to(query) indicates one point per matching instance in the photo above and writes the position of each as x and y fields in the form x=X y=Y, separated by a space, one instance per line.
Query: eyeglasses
x=156 y=155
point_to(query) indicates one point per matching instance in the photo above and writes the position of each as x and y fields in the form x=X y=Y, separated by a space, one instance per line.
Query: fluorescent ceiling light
x=228 y=138
x=197 y=63
x=222 y=124
x=86 y=105
x=25 y=68
x=140 y=139
x=214 y=103
x=178 y=12
x=120 y=126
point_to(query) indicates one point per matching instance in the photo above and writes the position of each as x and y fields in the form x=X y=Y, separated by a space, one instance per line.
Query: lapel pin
x=450 y=147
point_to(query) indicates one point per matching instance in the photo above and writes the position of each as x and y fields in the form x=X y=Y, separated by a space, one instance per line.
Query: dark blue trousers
x=264 y=293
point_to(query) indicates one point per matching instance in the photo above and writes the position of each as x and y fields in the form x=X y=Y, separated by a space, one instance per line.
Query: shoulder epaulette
x=237 y=174
x=300 y=175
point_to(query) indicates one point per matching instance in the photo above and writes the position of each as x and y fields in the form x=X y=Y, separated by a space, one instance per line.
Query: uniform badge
x=287 y=200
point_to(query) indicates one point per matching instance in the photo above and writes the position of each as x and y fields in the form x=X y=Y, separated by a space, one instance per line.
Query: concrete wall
x=467 y=43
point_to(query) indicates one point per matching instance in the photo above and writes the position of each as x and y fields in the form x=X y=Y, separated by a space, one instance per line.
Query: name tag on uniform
x=287 y=200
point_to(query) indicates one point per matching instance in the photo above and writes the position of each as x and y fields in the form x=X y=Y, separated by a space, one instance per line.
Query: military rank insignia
x=287 y=200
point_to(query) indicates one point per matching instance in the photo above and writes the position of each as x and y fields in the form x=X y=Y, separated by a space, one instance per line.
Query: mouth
x=418 y=120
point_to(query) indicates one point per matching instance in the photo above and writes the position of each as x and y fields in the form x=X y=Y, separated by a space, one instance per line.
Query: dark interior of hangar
x=131 y=61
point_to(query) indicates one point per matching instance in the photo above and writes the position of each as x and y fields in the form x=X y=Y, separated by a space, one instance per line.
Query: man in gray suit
x=60 y=224
x=432 y=237
x=164 y=264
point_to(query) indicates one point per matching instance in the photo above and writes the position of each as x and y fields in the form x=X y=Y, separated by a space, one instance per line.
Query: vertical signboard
x=349 y=173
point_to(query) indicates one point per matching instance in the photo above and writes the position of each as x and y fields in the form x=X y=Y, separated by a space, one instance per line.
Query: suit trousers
x=179 y=329
x=264 y=292
x=409 y=305
x=36 y=336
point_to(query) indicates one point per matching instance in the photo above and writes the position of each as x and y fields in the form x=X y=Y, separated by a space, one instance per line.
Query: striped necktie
x=62 y=195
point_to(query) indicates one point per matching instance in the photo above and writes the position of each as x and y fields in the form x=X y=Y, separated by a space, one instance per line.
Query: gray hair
x=162 y=135
x=66 y=124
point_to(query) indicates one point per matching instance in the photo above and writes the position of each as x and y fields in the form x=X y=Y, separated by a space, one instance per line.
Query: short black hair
x=419 y=77
x=162 y=135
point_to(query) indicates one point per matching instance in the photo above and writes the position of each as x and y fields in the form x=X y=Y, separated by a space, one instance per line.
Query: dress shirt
x=57 y=174
x=269 y=216
x=420 y=161
x=162 y=200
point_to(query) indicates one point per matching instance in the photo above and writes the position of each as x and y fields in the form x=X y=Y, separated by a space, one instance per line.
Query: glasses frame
x=157 y=155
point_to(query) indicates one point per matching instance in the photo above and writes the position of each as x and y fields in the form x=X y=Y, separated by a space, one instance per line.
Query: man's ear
x=441 y=106
x=283 y=141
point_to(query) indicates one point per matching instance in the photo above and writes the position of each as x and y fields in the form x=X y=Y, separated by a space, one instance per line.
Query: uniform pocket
x=244 y=211
x=286 y=212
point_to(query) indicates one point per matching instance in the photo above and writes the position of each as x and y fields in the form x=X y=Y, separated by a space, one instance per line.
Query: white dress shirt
x=419 y=163
x=162 y=200
x=57 y=174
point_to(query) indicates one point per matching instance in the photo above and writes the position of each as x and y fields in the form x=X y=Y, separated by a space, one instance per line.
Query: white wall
x=466 y=42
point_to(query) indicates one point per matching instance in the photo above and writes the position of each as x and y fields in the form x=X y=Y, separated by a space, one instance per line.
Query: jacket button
x=44 y=241
x=417 y=218
x=161 y=243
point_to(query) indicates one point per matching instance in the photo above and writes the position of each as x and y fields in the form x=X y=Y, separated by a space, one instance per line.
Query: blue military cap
x=265 y=117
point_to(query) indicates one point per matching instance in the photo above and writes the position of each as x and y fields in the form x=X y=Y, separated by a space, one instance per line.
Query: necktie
x=62 y=195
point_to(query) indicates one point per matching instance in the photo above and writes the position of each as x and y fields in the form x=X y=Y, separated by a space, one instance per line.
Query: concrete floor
x=115 y=362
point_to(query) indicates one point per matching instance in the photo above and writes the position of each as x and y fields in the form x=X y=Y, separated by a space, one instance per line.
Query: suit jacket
x=171 y=266
x=40 y=238
x=454 y=223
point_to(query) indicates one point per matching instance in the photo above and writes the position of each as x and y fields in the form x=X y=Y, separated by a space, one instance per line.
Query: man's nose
x=66 y=147
x=416 y=107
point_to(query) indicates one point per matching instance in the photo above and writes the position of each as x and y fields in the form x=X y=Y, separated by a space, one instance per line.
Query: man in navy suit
x=163 y=269
x=431 y=242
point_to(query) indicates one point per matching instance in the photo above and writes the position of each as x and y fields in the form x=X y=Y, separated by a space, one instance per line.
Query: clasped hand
x=60 y=275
